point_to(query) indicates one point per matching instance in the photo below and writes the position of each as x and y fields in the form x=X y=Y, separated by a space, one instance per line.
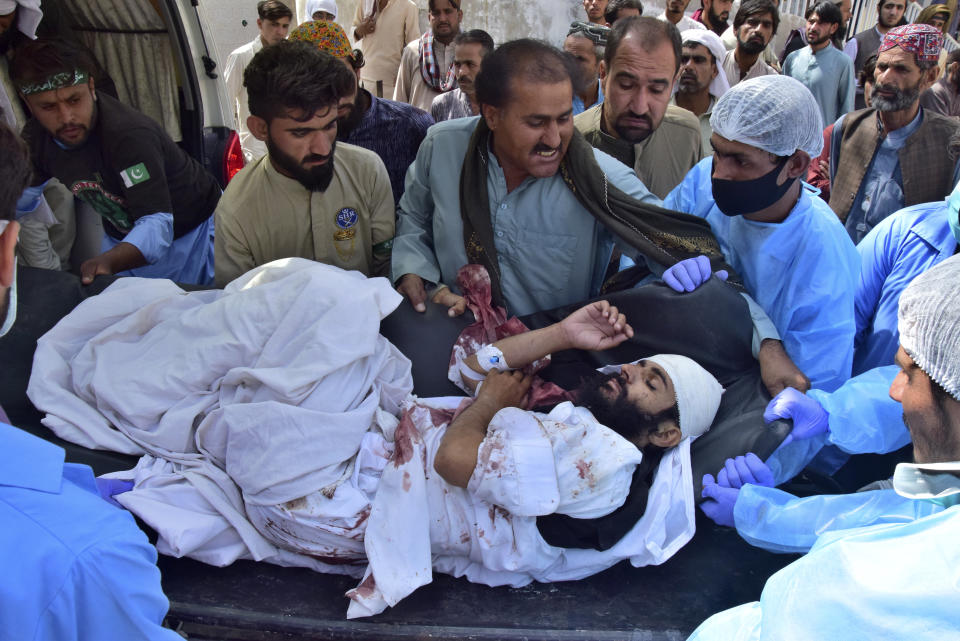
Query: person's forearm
x=522 y=349
x=457 y=455
x=123 y=257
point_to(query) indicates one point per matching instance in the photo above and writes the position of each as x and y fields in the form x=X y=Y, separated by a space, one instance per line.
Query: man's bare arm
x=457 y=455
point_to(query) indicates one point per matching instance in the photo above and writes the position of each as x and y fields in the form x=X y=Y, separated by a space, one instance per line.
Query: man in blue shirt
x=896 y=251
x=882 y=563
x=74 y=566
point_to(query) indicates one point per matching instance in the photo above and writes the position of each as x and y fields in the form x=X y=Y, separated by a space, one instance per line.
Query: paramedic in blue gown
x=74 y=565
x=880 y=563
x=788 y=246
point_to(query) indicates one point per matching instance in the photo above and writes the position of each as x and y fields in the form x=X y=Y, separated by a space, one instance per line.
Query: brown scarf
x=663 y=236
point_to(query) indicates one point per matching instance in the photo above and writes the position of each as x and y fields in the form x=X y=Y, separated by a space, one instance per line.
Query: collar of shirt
x=897 y=137
x=29 y=462
x=935 y=231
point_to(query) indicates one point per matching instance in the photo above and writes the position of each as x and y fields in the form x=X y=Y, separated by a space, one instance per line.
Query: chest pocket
x=543 y=261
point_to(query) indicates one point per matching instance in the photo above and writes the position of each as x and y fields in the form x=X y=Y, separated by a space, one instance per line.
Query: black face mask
x=739 y=197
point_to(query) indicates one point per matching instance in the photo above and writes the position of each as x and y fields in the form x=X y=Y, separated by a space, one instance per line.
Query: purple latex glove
x=109 y=488
x=809 y=417
x=720 y=501
x=689 y=274
x=739 y=471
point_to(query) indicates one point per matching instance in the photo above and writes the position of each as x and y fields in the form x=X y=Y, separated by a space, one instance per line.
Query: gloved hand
x=689 y=274
x=720 y=501
x=739 y=471
x=809 y=417
x=109 y=488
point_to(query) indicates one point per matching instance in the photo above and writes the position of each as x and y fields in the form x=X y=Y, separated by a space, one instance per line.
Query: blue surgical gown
x=802 y=272
x=882 y=567
x=897 y=250
x=863 y=420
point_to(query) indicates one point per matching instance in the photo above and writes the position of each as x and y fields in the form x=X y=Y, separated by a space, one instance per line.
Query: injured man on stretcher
x=283 y=445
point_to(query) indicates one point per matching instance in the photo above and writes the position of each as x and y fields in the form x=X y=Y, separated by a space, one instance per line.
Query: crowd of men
x=821 y=179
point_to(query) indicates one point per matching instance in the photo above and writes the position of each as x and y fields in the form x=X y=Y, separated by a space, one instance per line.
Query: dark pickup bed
x=248 y=600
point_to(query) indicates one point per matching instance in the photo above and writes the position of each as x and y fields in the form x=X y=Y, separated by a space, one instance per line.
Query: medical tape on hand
x=488 y=357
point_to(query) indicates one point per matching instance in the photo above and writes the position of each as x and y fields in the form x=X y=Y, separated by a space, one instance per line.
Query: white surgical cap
x=698 y=392
x=330 y=6
x=27 y=19
x=774 y=113
x=929 y=323
x=711 y=41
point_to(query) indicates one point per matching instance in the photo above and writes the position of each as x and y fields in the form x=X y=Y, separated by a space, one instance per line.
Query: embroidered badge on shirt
x=345 y=236
x=135 y=175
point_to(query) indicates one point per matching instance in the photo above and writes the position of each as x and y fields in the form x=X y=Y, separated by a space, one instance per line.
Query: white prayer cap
x=774 y=113
x=28 y=17
x=929 y=323
x=698 y=392
x=330 y=6
x=711 y=41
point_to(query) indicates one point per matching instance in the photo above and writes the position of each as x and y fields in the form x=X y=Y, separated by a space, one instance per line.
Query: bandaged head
x=328 y=37
x=698 y=392
x=929 y=324
x=719 y=85
x=922 y=40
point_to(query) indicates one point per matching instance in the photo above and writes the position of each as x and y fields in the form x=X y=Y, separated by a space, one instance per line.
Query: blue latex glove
x=109 y=488
x=739 y=471
x=720 y=501
x=689 y=274
x=809 y=417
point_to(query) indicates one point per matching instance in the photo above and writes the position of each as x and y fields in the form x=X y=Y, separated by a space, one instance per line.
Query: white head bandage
x=719 y=85
x=774 y=113
x=698 y=392
x=929 y=324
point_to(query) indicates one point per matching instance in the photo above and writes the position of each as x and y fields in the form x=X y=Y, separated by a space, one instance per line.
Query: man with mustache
x=881 y=561
x=713 y=15
x=426 y=65
x=309 y=197
x=821 y=67
x=586 y=43
x=156 y=202
x=701 y=81
x=520 y=192
x=595 y=10
x=894 y=154
x=636 y=124
x=468 y=51
x=754 y=25
x=673 y=13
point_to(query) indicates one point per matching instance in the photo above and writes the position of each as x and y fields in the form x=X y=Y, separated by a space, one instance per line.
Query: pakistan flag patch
x=135 y=175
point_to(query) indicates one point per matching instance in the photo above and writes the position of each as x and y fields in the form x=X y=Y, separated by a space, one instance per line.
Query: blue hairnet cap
x=774 y=113
x=929 y=323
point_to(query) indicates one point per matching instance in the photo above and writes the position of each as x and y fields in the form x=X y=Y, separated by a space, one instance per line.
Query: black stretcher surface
x=247 y=600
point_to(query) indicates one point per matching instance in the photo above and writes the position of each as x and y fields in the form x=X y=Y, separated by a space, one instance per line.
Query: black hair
x=273 y=10
x=295 y=75
x=614 y=7
x=954 y=56
x=37 y=60
x=526 y=60
x=15 y=170
x=650 y=31
x=827 y=12
x=756 y=8
x=866 y=72
x=453 y=3
x=475 y=37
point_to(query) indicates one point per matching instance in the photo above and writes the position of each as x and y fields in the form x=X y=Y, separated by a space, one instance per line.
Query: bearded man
x=893 y=155
x=309 y=197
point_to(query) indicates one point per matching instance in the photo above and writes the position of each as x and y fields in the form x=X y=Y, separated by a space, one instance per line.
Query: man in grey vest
x=894 y=154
